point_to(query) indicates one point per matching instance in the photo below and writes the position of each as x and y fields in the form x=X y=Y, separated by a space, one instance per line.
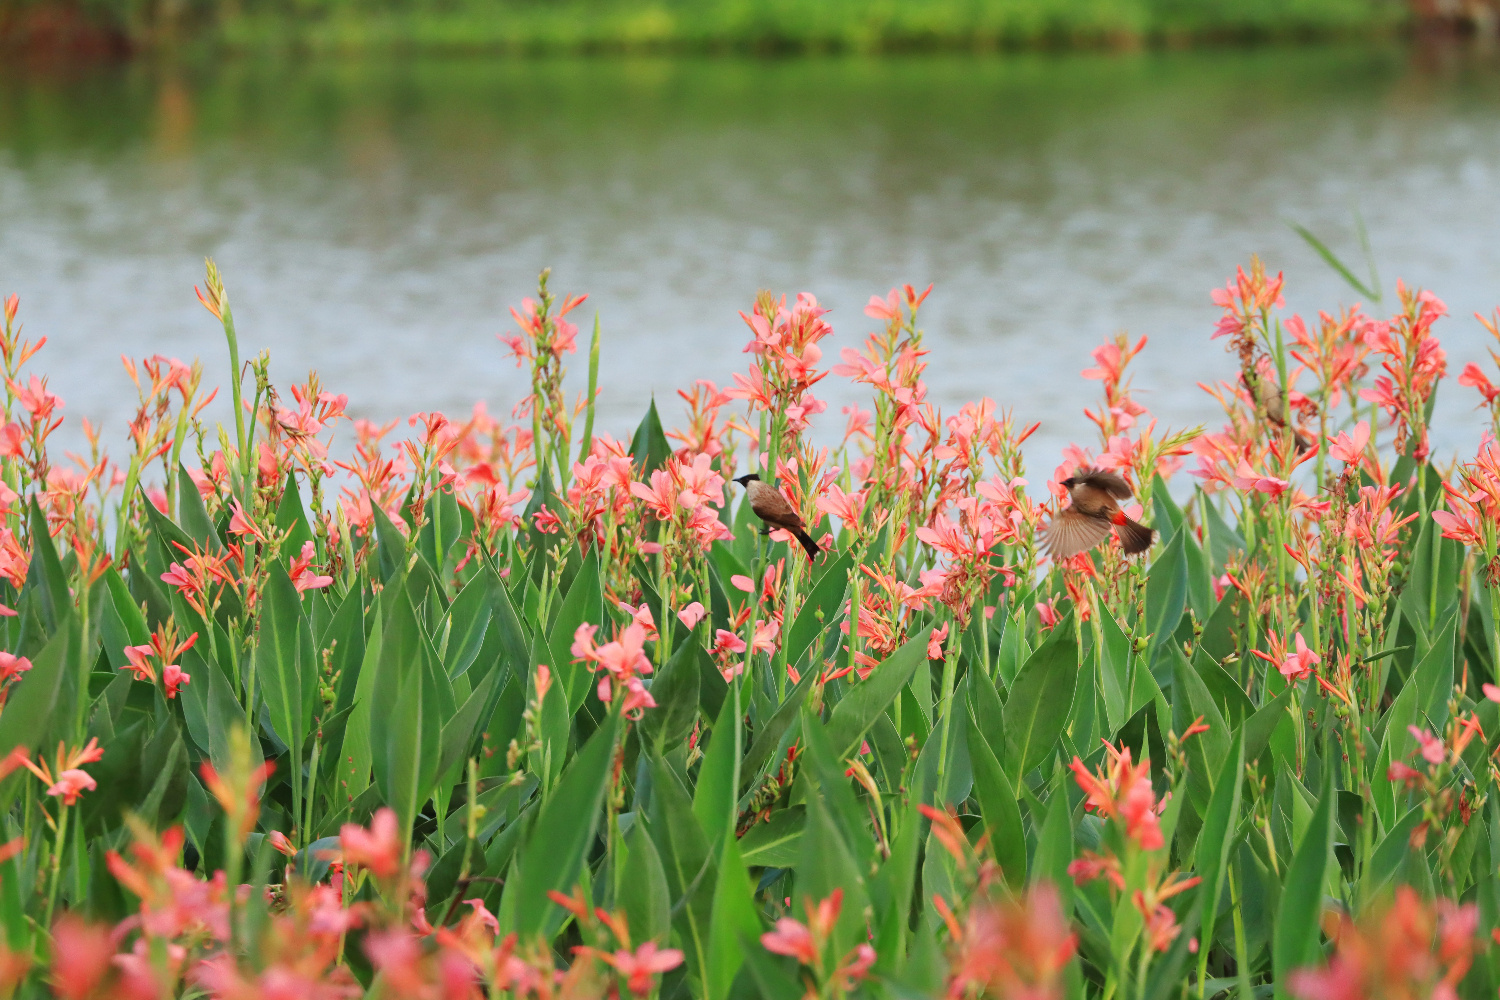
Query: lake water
x=375 y=220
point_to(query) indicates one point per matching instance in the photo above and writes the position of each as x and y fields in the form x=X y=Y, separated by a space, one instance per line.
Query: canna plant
x=484 y=707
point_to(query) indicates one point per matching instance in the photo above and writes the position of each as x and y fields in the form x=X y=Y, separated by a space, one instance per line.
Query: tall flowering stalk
x=544 y=338
x=1413 y=362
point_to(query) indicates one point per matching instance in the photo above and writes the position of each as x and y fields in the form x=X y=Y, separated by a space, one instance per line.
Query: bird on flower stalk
x=772 y=508
x=1095 y=509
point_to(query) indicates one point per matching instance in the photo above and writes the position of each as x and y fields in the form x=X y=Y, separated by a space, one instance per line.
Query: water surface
x=376 y=219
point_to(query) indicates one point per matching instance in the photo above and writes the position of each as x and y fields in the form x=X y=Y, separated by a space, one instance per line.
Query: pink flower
x=378 y=848
x=1246 y=478
x=281 y=844
x=1351 y=451
x=173 y=678
x=301 y=570
x=1300 y=664
x=12 y=666
x=1491 y=692
x=138 y=662
x=1433 y=751
x=641 y=967
x=791 y=937
x=72 y=783
x=691 y=615
x=935 y=642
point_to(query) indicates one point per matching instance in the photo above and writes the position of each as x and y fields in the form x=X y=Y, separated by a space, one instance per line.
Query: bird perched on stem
x=1268 y=396
x=772 y=508
x=1094 y=510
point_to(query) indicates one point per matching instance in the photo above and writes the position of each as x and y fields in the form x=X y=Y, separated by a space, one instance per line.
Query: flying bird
x=771 y=507
x=1095 y=509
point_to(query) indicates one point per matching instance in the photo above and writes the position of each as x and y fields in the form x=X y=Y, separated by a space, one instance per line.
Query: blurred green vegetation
x=768 y=26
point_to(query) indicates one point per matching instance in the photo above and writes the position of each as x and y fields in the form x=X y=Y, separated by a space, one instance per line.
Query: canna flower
x=622 y=661
x=1016 y=948
x=303 y=577
x=12 y=667
x=641 y=967
x=1351 y=450
x=1122 y=791
x=691 y=615
x=1409 y=948
x=70 y=781
x=377 y=849
x=1294 y=665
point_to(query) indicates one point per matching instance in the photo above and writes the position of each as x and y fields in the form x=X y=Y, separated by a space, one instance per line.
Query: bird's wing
x=1072 y=532
x=1109 y=482
x=770 y=506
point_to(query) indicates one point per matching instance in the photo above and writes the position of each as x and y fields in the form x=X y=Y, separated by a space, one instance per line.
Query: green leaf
x=856 y=711
x=285 y=671
x=1297 y=941
x=717 y=792
x=192 y=515
x=1205 y=751
x=460 y=732
x=1037 y=708
x=776 y=843
x=29 y=705
x=554 y=855
x=1166 y=593
x=675 y=691
x=733 y=920
x=650 y=446
x=405 y=744
x=1332 y=260
x=468 y=622
x=1216 y=840
x=686 y=860
x=644 y=896
x=1114 y=670
x=45 y=578
x=827 y=864
x=822 y=607
x=291 y=517
x=771 y=734
x=584 y=603
x=997 y=802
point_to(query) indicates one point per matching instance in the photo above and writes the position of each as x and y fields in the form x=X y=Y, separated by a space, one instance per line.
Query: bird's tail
x=807 y=543
x=1134 y=536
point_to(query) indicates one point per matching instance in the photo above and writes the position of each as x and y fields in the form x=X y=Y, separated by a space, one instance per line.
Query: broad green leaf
x=1216 y=841
x=31 y=700
x=584 y=604
x=285 y=670
x=1297 y=941
x=717 y=791
x=822 y=607
x=776 y=843
x=644 y=896
x=997 y=802
x=827 y=864
x=1037 y=707
x=554 y=855
x=674 y=688
x=291 y=517
x=769 y=736
x=856 y=711
x=468 y=621
x=734 y=919
x=1206 y=750
x=686 y=859
x=650 y=446
x=1166 y=593
x=1113 y=652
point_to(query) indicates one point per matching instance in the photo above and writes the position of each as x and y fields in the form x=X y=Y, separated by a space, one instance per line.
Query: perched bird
x=1095 y=509
x=771 y=507
x=1268 y=395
